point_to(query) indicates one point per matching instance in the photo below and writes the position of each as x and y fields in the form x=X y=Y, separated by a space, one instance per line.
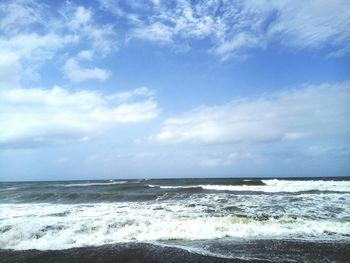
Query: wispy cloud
x=35 y=34
x=19 y=15
x=80 y=20
x=307 y=112
x=35 y=47
x=233 y=28
x=229 y=29
x=156 y=32
x=36 y=117
x=76 y=73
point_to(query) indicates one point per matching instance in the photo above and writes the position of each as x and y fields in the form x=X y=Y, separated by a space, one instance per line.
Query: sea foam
x=273 y=186
x=274 y=209
x=47 y=226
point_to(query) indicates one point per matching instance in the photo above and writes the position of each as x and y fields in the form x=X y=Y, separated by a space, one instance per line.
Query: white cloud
x=81 y=17
x=21 y=22
x=230 y=29
x=234 y=46
x=18 y=15
x=35 y=117
x=136 y=93
x=33 y=46
x=306 y=112
x=76 y=73
x=10 y=70
x=310 y=24
x=155 y=32
x=79 y=20
x=85 y=55
x=36 y=33
x=127 y=112
x=233 y=28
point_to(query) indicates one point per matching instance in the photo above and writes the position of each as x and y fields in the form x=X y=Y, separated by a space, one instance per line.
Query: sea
x=176 y=220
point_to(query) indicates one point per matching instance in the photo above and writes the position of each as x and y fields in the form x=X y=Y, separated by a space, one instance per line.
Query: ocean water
x=194 y=214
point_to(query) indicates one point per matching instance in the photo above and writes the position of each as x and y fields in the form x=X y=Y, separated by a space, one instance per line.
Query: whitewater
x=61 y=215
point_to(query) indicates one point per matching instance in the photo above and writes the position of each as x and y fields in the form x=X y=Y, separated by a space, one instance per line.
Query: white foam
x=53 y=226
x=307 y=185
x=174 y=186
x=273 y=186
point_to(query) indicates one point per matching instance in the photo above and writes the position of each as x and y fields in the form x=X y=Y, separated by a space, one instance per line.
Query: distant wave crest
x=94 y=184
x=273 y=186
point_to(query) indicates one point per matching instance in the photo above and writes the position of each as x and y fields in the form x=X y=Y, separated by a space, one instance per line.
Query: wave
x=273 y=186
x=93 y=184
x=174 y=186
x=8 y=189
x=47 y=227
x=309 y=185
x=79 y=197
x=125 y=191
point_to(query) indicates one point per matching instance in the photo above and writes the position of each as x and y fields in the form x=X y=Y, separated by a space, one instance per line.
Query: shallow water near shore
x=213 y=217
x=242 y=251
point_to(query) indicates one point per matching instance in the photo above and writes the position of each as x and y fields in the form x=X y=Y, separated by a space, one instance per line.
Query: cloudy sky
x=139 y=89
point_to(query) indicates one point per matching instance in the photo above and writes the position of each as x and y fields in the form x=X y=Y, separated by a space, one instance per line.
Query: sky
x=105 y=89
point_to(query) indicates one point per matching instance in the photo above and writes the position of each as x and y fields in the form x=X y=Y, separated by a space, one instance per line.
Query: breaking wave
x=60 y=215
x=65 y=226
x=273 y=186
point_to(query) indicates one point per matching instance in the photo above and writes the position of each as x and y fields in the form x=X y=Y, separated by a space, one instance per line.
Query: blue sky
x=142 y=89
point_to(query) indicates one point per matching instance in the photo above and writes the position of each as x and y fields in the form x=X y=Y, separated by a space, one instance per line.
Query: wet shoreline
x=241 y=251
